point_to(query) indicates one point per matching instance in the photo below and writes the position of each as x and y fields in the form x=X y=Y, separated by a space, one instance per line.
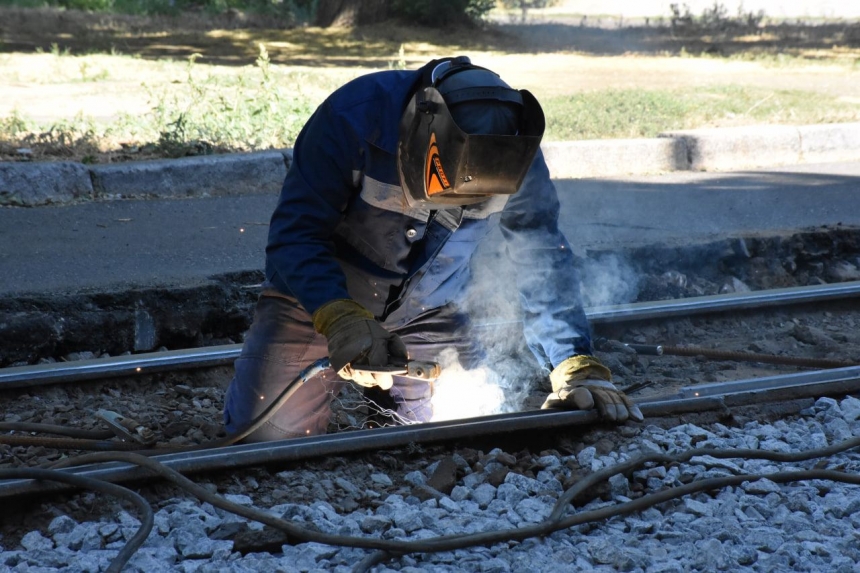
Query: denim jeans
x=282 y=342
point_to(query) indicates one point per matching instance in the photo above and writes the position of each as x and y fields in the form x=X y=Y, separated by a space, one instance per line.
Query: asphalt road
x=696 y=207
x=126 y=244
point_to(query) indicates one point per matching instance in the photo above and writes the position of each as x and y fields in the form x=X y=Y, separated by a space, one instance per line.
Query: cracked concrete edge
x=723 y=149
x=61 y=182
x=713 y=149
x=213 y=175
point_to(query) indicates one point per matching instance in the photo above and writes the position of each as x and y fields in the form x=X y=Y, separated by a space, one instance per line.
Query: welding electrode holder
x=413 y=369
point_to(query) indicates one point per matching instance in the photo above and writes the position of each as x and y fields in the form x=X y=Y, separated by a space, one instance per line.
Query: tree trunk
x=350 y=12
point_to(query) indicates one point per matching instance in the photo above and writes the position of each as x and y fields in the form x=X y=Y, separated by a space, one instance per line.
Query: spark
x=357 y=410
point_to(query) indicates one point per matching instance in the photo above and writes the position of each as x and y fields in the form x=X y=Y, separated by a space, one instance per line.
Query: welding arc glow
x=460 y=393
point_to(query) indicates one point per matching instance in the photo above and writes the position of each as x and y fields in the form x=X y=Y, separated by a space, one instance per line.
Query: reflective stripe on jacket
x=343 y=229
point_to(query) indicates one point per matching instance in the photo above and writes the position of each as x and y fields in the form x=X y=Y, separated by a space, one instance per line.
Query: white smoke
x=608 y=280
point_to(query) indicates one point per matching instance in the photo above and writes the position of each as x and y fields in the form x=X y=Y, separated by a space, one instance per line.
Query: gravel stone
x=586 y=456
x=483 y=495
x=381 y=480
x=509 y=493
x=619 y=486
x=61 y=524
x=415 y=478
x=761 y=487
x=758 y=526
x=35 y=541
x=409 y=521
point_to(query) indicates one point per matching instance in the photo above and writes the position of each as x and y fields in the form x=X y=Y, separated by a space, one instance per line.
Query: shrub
x=441 y=13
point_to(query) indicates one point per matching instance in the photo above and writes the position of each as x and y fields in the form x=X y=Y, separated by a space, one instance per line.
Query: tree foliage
x=324 y=13
x=441 y=13
x=525 y=5
x=438 y=13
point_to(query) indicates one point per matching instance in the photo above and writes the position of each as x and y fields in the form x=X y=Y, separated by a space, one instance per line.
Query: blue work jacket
x=342 y=227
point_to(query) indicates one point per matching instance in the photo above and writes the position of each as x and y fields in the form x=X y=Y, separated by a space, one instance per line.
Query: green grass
x=262 y=107
x=255 y=109
x=646 y=113
x=244 y=112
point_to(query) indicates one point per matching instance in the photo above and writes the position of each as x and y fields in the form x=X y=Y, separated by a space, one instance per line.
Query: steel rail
x=784 y=382
x=724 y=302
x=62 y=372
x=117 y=366
x=834 y=382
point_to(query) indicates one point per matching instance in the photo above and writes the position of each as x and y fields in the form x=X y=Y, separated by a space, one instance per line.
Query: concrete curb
x=29 y=184
x=52 y=183
x=718 y=149
x=614 y=157
x=767 y=145
x=232 y=174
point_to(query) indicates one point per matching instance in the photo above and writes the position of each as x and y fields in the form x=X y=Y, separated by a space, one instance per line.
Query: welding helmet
x=466 y=136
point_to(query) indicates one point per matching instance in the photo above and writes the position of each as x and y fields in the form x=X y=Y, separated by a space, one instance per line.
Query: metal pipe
x=43 y=374
x=746 y=392
x=132 y=365
x=716 y=354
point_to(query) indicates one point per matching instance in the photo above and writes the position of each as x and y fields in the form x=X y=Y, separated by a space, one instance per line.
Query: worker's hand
x=356 y=339
x=583 y=383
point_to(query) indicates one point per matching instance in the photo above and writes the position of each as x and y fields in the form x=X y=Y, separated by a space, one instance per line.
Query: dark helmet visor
x=439 y=163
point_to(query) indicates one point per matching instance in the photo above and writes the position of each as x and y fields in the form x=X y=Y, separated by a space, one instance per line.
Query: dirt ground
x=185 y=408
x=182 y=408
x=53 y=59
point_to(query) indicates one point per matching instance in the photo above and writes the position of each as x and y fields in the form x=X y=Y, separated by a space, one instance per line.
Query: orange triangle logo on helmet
x=434 y=176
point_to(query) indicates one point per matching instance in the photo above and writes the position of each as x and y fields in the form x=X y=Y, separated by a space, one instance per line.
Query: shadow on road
x=233 y=38
x=686 y=207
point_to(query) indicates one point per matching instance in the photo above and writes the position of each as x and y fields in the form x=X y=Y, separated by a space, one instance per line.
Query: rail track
x=664 y=399
x=224 y=355
x=837 y=382
x=184 y=385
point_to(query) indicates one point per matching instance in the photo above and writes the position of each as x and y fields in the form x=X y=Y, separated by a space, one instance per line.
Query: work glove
x=583 y=383
x=356 y=339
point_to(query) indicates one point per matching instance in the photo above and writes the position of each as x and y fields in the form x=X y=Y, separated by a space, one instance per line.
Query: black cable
x=59 y=430
x=389 y=548
x=304 y=376
x=623 y=468
x=146 y=521
x=550 y=525
x=91 y=443
x=67 y=443
x=110 y=446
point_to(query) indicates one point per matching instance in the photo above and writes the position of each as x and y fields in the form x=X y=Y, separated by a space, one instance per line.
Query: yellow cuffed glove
x=582 y=383
x=356 y=339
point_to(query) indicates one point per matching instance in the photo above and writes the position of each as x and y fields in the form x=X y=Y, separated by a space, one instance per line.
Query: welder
x=394 y=180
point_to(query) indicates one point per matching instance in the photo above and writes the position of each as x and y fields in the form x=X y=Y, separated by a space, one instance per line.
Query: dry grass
x=106 y=83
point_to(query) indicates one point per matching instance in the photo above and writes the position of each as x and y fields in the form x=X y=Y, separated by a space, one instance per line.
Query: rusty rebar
x=714 y=354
